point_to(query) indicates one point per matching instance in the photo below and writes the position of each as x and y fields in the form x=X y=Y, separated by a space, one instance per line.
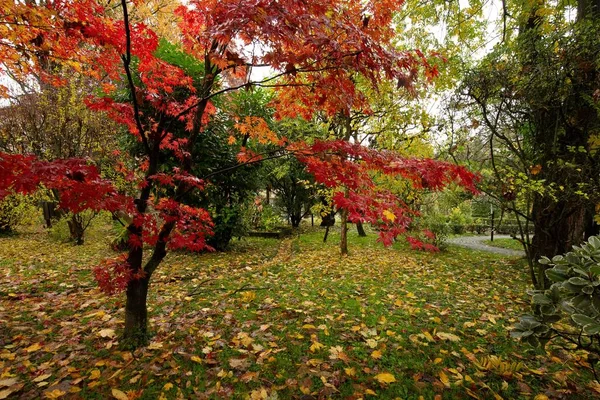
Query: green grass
x=288 y=317
x=511 y=244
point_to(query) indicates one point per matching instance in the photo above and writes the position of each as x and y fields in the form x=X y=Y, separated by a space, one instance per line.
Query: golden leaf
x=119 y=395
x=444 y=378
x=389 y=215
x=33 y=347
x=95 y=374
x=54 y=394
x=385 y=377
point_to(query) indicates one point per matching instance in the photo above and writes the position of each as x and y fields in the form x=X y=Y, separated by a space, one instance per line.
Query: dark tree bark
x=361 y=229
x=136 y=313
x=344 y=233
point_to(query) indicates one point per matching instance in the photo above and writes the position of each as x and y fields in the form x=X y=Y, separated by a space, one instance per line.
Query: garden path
x=476 y=243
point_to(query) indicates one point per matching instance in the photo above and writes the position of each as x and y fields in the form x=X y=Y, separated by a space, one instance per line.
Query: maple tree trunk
x=344 y=233
x=76 y=229
x=361 y=229
x=135 y=333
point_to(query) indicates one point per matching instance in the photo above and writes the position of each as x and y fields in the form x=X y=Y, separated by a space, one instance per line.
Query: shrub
x=13 y=210
x=570 y=308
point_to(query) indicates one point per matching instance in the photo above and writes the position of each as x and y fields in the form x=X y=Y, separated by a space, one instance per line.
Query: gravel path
x=476 y=243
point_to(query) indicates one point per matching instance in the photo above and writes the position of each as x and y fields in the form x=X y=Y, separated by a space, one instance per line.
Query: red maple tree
x=314 y=48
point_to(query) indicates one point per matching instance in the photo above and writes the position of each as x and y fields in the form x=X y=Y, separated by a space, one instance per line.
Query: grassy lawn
x=511 y=244
x=277 y=319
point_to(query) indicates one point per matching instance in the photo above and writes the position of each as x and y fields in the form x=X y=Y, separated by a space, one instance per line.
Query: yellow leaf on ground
x=42 y=378
x=316 y=346
x=376 y=354
x=350 y=371
x=448 y=336
x=95 y=374
x=119 y=395
x=437 y=360
x=107 y=333
x=444 y=379
x=385 y=377
x=5 y=393
x=33 y=347
x=370 y=392
x=540 y=397
x=54 y=394
x=196 y=359
x=168 y=386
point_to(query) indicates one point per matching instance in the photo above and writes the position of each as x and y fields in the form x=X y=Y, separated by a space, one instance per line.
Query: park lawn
x=505 y=243
x=277 y=319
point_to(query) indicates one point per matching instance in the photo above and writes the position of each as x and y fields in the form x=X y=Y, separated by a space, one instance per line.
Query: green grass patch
x=505 y=243
x=279 y=319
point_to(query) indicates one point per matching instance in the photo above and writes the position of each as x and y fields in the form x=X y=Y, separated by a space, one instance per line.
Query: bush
x=267 y=218
x=72 y=227
x=573 y=299
x=14 y=209
x=440 y=230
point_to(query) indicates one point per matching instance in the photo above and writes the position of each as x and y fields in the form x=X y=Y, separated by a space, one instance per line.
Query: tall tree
x=537 y=95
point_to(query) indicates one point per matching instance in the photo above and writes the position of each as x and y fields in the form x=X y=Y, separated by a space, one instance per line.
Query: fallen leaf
x=444 y=378
x=42 y=377
x=33 y=347
x=55 y=394
x=8 y=382
x=5 y=393
x=385 y=377
x=119 y=395
x=448 y=336
x=376 y=354
x=107 y=333
x=95 y=374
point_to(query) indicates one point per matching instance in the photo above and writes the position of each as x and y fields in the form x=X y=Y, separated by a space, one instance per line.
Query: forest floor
x=277 y=320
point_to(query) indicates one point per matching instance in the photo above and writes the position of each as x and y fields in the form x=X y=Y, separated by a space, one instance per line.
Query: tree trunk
x=76 y=229
x=135 y=333
x=328 y=219
x=558 y=227
x=296 y=219
x=361 y=229
x=326 y=234
x=344 y=233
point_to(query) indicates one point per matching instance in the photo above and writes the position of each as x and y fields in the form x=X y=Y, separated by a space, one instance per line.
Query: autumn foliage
x=315 y=48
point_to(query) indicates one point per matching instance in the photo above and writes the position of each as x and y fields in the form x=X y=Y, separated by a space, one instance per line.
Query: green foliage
x=59 y=231
x=72 y=227
x=266 y=218
x=573 y=300
x=230 y=221
x=294 y=188
x=437 y=224
x=14 y=209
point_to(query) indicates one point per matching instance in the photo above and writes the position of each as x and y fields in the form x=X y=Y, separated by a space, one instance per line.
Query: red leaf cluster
x=352 y=169
x=78 y=183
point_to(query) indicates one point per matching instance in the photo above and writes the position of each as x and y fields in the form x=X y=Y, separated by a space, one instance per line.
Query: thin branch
x=126 y=65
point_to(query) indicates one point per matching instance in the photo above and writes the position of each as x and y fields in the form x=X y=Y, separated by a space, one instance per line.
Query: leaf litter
x=272 y=320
